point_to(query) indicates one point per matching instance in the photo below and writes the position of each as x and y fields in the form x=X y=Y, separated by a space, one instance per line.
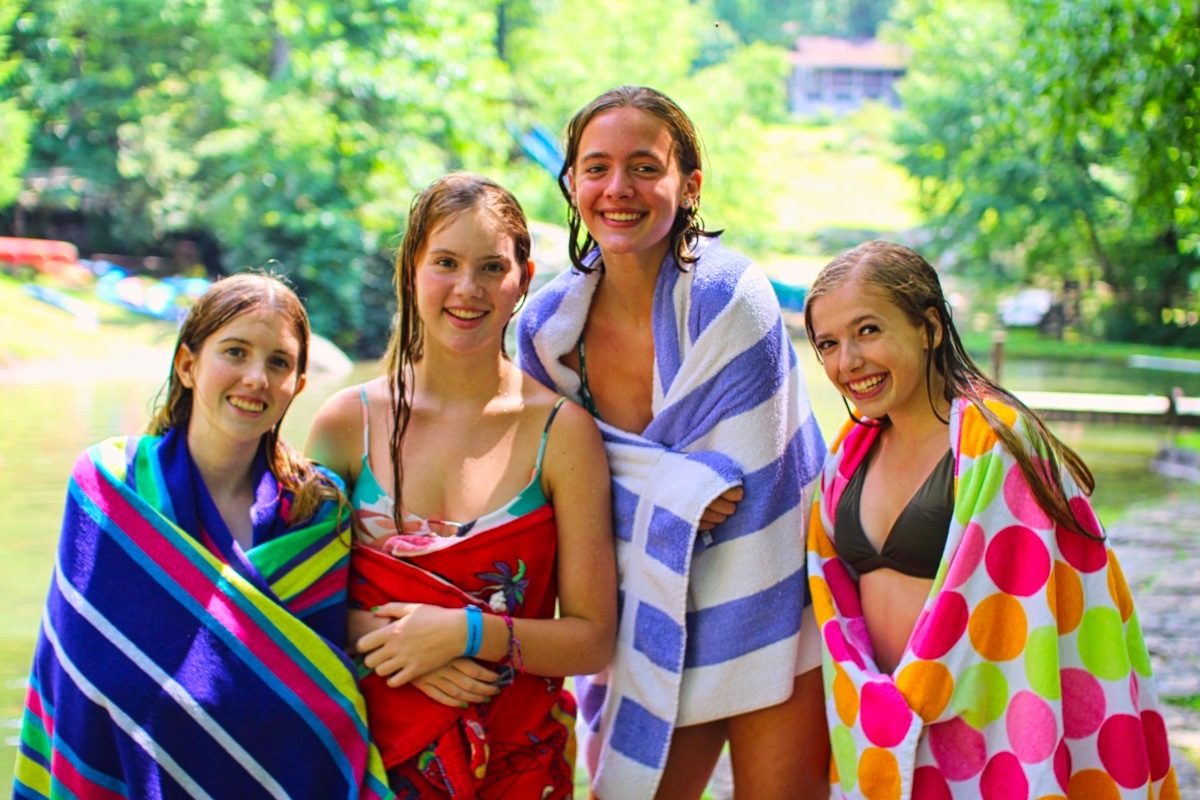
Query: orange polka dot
x=822 y=599
x=998 y=628
x=1052 y=596
x=1068 y=597
x=1169 y=789
x=1052 y=797
x=927 y=686
x=1118 y=588
x=845 y=696
x=977 y=436
x=833 y=773
x=1092 y=784
x=878 y=775
x=818 y=539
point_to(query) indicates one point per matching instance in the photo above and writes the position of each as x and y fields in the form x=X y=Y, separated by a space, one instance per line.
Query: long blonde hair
x=226 y=300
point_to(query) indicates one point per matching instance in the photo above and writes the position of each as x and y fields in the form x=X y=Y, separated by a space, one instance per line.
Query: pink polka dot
x=1122 y=747
x=1133 y=687
x=1157 y=749
x=839 y=649
x=885 y=715
x=958 y=749
x=836 y=643
x=967 y=557
x=928 y=784
x=1021 y=501
x=1086 y=515
x=1062 y=764
x=1004 y=779
x=944 y=627
x=1083 y=703
x=1032 y=730
x=841 y=586
x=1018 y=561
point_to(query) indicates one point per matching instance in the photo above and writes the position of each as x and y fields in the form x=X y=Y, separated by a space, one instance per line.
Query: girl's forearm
x=549 y=647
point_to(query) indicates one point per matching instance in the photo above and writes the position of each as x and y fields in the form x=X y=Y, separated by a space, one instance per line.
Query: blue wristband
x=474 y=631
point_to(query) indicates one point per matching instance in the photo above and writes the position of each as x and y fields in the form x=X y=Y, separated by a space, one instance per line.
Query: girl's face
x=628 y=185
x=243 y=379
x=468 y=282
x=872 y=351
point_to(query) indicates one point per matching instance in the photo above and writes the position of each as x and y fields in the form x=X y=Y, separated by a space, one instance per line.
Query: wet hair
x=912 y=285
x=688 y=226
x=226 y=300
x=437 y=206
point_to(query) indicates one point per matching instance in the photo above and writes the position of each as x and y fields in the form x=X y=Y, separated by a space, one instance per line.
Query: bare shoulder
x=574 y=447
x=336 y=436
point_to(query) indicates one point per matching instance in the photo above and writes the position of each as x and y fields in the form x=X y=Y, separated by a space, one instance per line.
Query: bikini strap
x=362 y=392
x=585 y=393
x=537 y=468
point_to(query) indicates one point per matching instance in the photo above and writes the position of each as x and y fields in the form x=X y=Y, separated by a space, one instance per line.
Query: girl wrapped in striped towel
x=192 y=640
x=677 y=346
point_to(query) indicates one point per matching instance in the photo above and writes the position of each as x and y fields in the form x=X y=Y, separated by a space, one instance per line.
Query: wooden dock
x=1176 y=411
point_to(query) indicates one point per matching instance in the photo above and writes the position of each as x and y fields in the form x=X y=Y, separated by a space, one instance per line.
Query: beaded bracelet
x=514 y=657
x=474 y=631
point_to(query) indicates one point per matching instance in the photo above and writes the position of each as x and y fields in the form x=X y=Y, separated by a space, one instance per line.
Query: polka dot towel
x=1026 y=675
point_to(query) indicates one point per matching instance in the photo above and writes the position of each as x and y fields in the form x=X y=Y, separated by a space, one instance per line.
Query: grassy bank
x=34 y=331
x=1027 y=343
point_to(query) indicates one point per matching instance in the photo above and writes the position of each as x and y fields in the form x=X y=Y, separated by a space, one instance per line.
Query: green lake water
x=44 y=424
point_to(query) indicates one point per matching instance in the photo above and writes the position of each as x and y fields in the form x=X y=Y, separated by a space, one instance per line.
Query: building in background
x=838 y=75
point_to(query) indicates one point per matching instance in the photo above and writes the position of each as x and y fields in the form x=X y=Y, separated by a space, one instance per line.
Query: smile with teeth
x=247 y=405
x=622 y=216
x=867 y=384
x=464 y=313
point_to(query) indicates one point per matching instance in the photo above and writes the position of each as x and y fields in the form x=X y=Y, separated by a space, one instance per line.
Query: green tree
x=1060 y=139
x=779 y=21
x=14 y=123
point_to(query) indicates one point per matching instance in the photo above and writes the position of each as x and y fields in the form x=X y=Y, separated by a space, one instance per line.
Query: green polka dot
x=827 y=673
x=845 y=753
x=981 y=694
x=1138 y=655
x=1101 y=643
x=978 y=486
x=1041 y=662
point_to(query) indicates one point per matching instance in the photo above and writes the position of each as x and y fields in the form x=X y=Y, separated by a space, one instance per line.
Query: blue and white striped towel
x=709 y=625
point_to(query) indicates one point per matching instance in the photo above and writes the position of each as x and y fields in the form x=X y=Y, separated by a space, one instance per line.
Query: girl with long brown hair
x=481 y=503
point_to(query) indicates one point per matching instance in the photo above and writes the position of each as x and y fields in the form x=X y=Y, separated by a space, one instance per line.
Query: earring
x=687 y=203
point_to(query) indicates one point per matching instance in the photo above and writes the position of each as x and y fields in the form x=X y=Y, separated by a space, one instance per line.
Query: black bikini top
x=915 y=543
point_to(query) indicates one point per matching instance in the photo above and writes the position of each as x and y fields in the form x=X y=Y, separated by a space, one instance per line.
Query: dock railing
x=1174 y=410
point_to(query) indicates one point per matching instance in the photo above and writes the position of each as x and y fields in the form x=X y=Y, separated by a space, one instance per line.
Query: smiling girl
x=481 y=501
x=677 y=347
x=980 y=638
x=191 y=644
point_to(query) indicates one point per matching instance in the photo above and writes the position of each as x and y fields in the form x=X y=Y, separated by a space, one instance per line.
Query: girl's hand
x=461 y=681
x=360 y=622
x=419 y=640
x=721 y=508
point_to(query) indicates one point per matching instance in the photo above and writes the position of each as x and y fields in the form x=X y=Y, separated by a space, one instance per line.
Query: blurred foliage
x=779 y=21
x=1061 y=139
x=296 y=133
x=14 y=123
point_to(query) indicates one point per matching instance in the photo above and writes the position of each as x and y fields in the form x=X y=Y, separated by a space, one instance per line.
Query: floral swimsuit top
x=373 y=506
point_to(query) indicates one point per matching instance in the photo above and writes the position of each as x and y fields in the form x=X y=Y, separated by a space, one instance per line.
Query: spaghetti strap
x=537 y=467
x=362 y=392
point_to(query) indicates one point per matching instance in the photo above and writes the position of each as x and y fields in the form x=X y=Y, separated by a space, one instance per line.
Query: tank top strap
x=362 y=393
x=537 y=467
